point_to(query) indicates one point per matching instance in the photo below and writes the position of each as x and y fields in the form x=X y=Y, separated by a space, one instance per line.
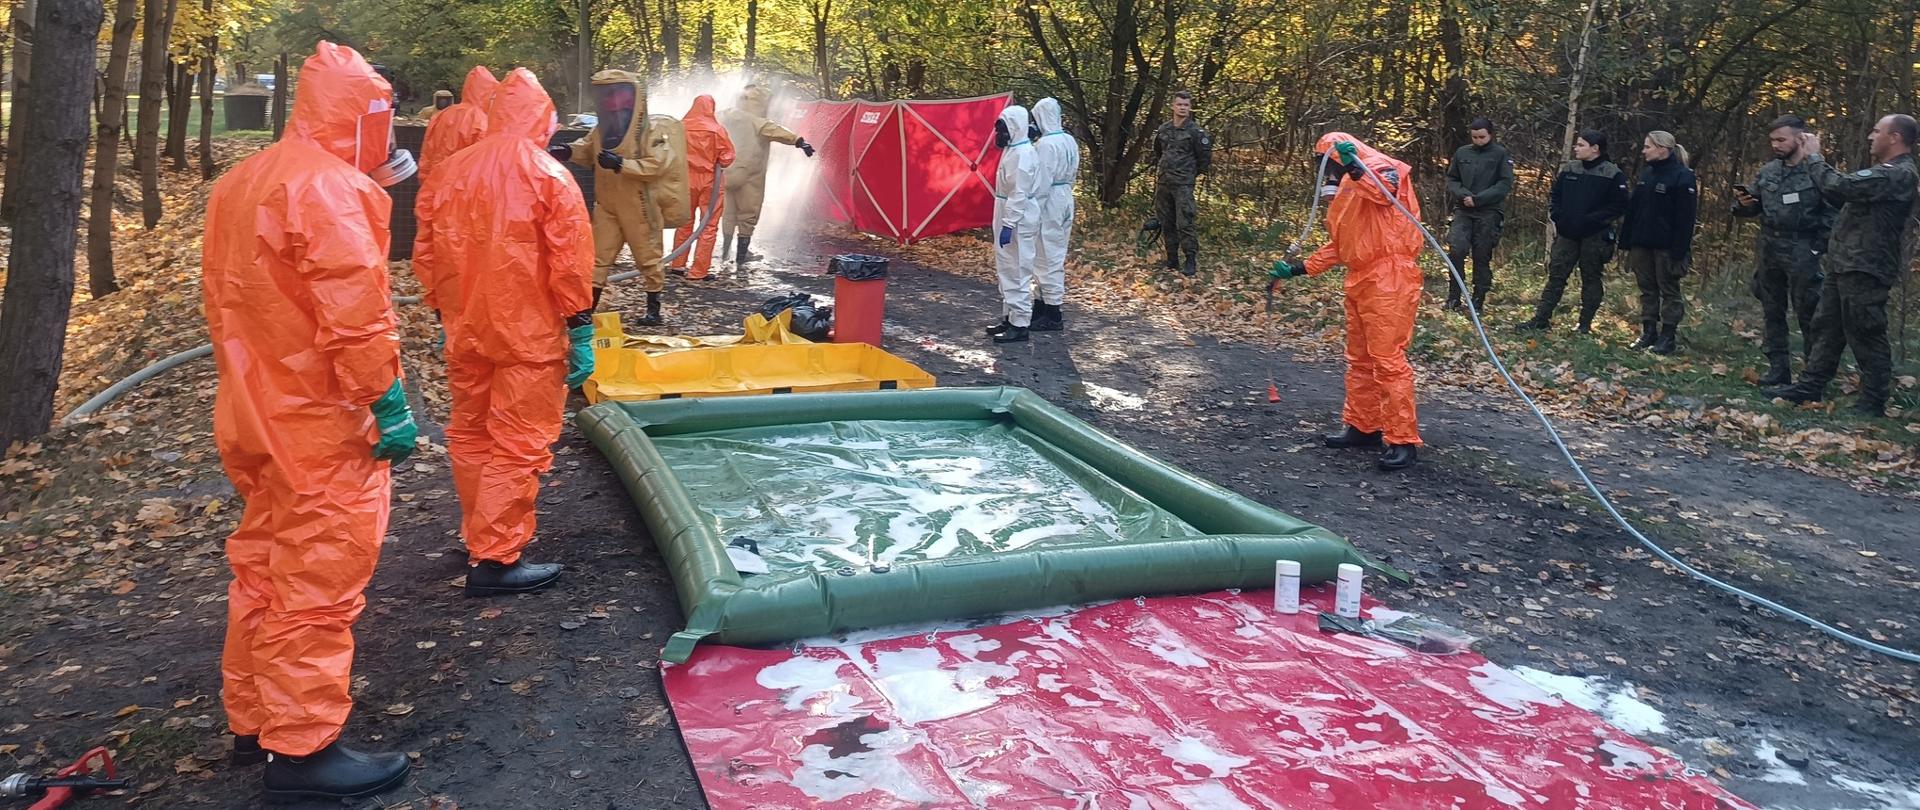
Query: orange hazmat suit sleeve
x=296 y=298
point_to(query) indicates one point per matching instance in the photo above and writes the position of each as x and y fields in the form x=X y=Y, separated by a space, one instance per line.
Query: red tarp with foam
x=1209 y=702
x=907 y=170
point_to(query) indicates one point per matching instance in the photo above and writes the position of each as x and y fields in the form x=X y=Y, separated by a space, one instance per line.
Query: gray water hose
x=1599 y=494
x=165 y=364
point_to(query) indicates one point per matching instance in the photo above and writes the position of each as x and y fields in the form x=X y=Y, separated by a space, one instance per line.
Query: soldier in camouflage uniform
x=1478 y=181
x=1794 y=224
x=1863 y=260
x=1182 y=151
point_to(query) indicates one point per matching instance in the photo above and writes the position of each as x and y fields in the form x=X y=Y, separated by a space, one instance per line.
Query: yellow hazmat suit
x=746 y=179
x=625 y=214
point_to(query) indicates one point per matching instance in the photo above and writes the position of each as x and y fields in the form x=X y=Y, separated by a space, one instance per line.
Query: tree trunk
x=1453 y=94
x=280 y=90
x=180 y=113
x=207 y=68
x=106 y=161
x=703 y=46
x=23 y=21
x=153 y=88
x=753 y=32
x=822 y=11
x=39 y=292
x=1578 y=86
x=670 y=34
x=584 y=55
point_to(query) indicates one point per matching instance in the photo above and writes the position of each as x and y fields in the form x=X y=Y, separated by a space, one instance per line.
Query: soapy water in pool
x=824 y=496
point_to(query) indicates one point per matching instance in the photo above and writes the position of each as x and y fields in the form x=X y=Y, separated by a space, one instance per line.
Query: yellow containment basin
x=627 y=368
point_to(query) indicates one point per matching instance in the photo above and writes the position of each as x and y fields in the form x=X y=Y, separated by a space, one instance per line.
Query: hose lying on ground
x=1598 y=493
x=165 y=364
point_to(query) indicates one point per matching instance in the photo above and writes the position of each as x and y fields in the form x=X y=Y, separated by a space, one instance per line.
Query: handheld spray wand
x=1293 y=254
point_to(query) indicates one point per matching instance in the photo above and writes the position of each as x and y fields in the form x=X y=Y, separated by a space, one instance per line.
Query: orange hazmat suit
x=1378 y=246
x=707 y=146
x=505 y=250
x=297 y=305
x=461 y=125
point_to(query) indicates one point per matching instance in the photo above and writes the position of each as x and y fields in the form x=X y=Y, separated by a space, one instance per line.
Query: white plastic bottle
x=1286 y=586
x=1346 y=600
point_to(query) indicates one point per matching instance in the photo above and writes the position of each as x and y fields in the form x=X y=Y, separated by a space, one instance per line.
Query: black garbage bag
x=809 y=321
x=857 y=267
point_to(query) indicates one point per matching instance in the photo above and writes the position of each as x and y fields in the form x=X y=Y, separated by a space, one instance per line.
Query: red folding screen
x=904 y=169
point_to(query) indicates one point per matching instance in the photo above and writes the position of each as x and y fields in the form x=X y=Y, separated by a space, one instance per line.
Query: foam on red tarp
x=1211 y=702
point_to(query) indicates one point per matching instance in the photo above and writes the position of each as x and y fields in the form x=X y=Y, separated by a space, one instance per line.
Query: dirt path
x=553 y=700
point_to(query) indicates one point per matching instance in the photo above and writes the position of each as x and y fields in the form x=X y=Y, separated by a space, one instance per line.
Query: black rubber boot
x=1667 y=343
x=741 y=253
x=333 y=772
x=1799 y=394
x=246 y=751
x=492 y=578
x=652 y=318
x=1534 y=324
x=1779 y=372
x=1047 y=318
x=1649 y=332
x=1013 y=334
x=1191 y=267
x=596 y=299
x=999 y=328
x=1399 y=457
x=1352 y=436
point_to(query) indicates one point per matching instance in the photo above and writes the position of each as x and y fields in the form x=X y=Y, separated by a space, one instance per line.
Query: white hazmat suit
x=1017 y=191
x=1059 y=168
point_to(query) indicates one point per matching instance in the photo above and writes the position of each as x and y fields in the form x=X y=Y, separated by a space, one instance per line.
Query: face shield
x=373 y=147
x=1329 y=181
x=441 y=102
x=613 y=105
x=1000 y=137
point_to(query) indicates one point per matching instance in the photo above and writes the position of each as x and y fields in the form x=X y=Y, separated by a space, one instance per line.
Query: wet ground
x=553 y=700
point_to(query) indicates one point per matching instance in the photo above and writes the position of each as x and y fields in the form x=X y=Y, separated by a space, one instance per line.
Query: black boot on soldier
x=1649 y=332
x=1351 y=436
x=1191 y=267
x=1779 y=372
x=333 y=772
x=1399 y=457
x=1668 y=342
x=491 y=578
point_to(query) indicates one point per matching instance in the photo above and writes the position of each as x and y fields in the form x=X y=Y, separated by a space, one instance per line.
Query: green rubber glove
x=397 y=430
x=1349 y=154
x=1286 y=269
x=579 y=355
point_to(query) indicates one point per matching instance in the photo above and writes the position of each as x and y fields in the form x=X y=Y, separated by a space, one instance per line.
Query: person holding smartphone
x=1794 y=224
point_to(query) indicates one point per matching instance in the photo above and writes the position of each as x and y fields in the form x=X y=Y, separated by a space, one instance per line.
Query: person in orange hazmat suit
x=707 y=147
x=461 y=125
x=1378 y=245
x=627 y=158
x=308 y=414
x=505 y=252
x=747 y=124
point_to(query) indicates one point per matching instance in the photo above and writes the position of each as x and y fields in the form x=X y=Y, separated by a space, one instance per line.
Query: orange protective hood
x=336 y=88
x=522 y=107
x=479 y=87
x=700 y=116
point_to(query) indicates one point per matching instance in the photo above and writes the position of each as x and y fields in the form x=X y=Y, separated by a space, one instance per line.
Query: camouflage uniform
x=1484 y=173
x=1862 y=262
x=1182 y=153
x=1794 y=224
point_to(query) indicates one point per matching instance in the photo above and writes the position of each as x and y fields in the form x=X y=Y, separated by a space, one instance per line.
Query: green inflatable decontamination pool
x=798 y=515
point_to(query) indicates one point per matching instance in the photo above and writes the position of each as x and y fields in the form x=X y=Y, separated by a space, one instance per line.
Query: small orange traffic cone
x=1273 y=392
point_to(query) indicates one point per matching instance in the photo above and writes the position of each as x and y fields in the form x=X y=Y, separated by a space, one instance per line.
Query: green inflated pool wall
x=1236 y=547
